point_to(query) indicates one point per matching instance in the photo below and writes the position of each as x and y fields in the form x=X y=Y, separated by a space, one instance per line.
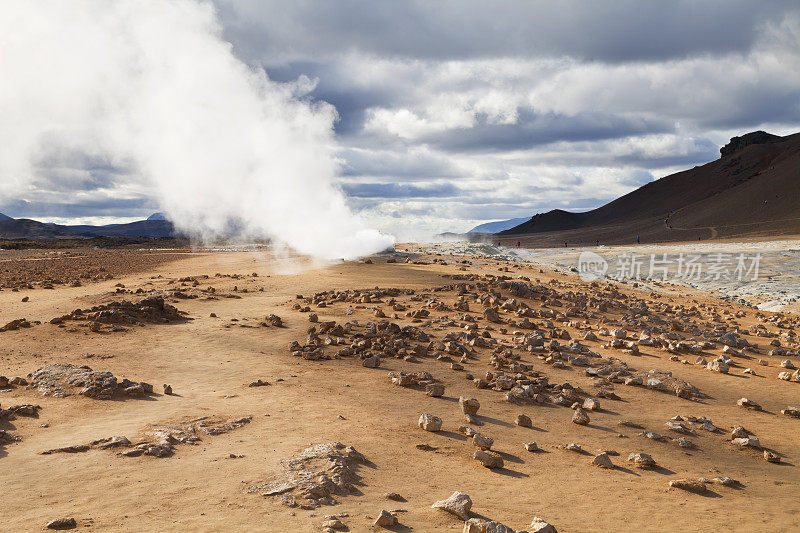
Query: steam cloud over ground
x=151 y=95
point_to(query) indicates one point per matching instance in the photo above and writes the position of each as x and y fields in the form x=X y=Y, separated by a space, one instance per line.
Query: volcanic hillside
x=752 y=190
x=23 y=228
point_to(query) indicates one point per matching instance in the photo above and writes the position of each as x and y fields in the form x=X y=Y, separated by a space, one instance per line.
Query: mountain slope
x=752 y=189
x=500 y=225
x=141 y=228
x=23 y=228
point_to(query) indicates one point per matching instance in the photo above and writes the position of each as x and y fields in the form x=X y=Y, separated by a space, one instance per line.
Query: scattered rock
x=748 y=404
x=602 y=460
x=314 y=476
x=386 y=519
x=62 y=523
x=718 y=366
x=590 y=404
x=60 y=380
x=747 y=441
x=524 y=421
x=430 y=422
x=531 y=446
x=372 y=362
x=698 y=487
x=434 y=390
x=580 y=417
x=540 y=526
x=642 y=460
x=791 y=411
x=333 y=524
x=482 y=442
x=458 y=503
x=469 y=406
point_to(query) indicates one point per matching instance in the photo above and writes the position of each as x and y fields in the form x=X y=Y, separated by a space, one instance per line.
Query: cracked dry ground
x=319 y=391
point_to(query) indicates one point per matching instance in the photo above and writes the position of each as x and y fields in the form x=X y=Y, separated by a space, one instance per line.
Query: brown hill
x=752 y=190
x=23 y=228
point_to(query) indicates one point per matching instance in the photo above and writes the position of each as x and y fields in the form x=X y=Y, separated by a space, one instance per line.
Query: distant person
x=637 y=238
x=565 y=244
x=517 y=244
x=597 y=242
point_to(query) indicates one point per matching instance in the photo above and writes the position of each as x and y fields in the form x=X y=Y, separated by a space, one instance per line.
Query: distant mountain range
x=498 y=226
x=155 y=226
x=751 y=190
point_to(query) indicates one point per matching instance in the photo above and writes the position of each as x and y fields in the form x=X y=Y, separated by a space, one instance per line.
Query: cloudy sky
x=453 y=113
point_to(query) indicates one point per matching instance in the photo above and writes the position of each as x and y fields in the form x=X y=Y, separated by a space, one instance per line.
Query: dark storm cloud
x=609 y=30
x=533 y=129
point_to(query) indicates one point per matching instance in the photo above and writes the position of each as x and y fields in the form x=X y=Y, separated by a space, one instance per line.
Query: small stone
x=602 y=460
x=727 y=481
x=794 y=412
x=574 y=447
x=119 y=441
x=474 y=525
x=372 y=362
x=386 y=519
x=580 y=417
x=62 y=523
x=748 y=404
x=430 y=423
x=590 y=404
x=642 y=460
x=488 y=459
x=492 y=316
x=771 y=457
x=718 y=366
x=531 y=446
x=434 y=390
x=167 y=389
x=458 y=503
x=540 y=526
x=466 y=431
x=524 y=421
x=469 y=406
x=334 y=524
x=394 y=496
x=698 y=487
x=482 y=442
x=747 y=441
x=739 y=432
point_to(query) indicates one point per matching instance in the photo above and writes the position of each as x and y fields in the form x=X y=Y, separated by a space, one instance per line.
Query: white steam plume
x=152 y=87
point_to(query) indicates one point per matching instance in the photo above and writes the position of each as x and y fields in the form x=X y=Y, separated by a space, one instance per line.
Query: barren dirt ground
x=209 y=362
